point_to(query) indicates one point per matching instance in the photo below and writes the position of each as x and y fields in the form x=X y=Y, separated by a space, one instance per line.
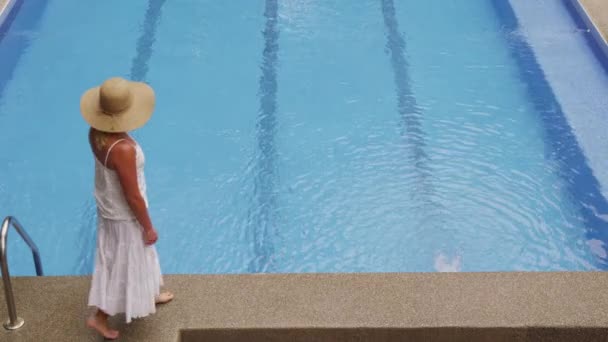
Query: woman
x=127 y=275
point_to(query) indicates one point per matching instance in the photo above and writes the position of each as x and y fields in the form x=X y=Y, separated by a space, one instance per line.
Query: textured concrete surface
x=483 y=306
x=598 y=11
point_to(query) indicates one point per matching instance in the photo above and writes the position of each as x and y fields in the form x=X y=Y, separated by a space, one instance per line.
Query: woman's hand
x=150 y=236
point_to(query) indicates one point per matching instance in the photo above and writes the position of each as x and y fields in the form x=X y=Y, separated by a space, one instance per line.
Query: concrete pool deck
x=417 y=306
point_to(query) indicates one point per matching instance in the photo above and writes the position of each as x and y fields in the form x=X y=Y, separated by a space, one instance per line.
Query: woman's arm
x=123 y=161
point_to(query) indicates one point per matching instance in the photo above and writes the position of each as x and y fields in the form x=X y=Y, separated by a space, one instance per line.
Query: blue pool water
x=316 y=136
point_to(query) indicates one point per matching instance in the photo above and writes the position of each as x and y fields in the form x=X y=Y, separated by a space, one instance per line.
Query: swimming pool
x=317 y=136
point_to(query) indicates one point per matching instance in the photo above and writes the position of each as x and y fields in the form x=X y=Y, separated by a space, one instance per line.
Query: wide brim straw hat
x=118 y=105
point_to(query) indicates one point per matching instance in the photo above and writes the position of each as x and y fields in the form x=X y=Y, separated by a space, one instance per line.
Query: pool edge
x=557 y=303
x=589 y=15
x=5 y=9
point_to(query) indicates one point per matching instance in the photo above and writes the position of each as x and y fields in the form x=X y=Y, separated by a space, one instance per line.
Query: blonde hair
x=100 y=139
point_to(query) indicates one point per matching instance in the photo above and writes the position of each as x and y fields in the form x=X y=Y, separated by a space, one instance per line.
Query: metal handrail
x=14 y=322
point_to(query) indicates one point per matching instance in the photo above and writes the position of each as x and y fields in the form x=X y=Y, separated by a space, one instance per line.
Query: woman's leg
x=99 y=322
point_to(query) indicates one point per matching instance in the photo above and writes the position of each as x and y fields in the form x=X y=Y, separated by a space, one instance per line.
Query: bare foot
x=164 y=297
x=101 y=326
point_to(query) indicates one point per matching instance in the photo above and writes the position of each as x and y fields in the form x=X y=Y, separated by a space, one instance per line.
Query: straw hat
x=117 y=105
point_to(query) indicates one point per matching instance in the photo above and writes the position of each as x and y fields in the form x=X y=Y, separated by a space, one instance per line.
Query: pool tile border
x=5 y=8
x=562 y=144
x=584 y=16
x=587 y=19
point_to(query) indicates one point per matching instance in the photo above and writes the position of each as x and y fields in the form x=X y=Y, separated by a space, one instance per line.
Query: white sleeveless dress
x=127 y=275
